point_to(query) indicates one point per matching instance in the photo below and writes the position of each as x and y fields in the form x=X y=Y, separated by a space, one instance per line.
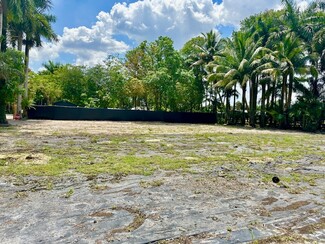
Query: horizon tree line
x=270 y=72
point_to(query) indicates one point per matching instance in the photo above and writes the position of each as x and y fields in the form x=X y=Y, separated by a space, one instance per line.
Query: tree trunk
x=27 y=48
x=1 y=16
x=234 y=107
x=255 y=99
x=227 y=106
x=290 y=91
x=26 y=71
x=262 y=122
x=252 y=101
x=268 y=100
x=243 y=116
x=272 y=106
x=3 y=119
x=283 y=93
x=20 y=41
x=20 y=97
x=268 y=97
x=4 y=24
x=273 y=95
x=288 y=102
x=283 y=100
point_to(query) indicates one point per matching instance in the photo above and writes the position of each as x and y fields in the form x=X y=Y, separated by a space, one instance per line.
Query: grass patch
x=148 y=184
x=69 y=193
x=143 y=152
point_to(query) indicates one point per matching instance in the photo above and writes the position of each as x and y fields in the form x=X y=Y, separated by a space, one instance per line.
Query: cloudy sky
x=90 y=30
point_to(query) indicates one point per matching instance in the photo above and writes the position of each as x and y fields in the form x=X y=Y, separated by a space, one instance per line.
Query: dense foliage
x=271 y=72
x=11 y=73
x=23 y=23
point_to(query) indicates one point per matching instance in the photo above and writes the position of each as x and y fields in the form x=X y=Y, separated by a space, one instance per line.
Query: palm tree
x=286 y=61
x=17 y=28
x=37 y=26
x=51 y=67
x=40 y=29
x=237 y=65
x=29 y=20
x=314 y=18
x=8 y=8
x=211 y=47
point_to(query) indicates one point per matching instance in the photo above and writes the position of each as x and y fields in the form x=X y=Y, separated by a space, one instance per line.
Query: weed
x=155 y=183
x=21 y=194
x=49 y=185
x=69 y=193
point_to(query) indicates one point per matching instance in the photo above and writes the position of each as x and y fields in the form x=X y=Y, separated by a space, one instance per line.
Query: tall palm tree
x=211 y=47
x=314 y=18
x=17 y=28
x=287 y=60
x=37 y=27
x=51 y=67
x=30 y=30
x=8 y=8
x=237 y=65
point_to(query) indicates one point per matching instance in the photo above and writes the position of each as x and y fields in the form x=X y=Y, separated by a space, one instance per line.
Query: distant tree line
x=153 y=76
x=270 y=72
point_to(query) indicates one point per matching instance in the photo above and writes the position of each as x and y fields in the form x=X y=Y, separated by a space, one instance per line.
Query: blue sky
x=90 y=30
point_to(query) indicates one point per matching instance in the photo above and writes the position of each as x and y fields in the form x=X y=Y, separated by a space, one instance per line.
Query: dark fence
x=77 y=113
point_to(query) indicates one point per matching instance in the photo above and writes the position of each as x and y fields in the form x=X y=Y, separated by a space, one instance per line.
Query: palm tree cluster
x=24 y=23
x=276 y=57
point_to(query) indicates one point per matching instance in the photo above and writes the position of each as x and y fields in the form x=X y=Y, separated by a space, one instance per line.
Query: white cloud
x=147 y=20
x=303 y=4
x=40 y=55
x=178 y=19
x=48 y=50
x=90 y=45
x=233 y=11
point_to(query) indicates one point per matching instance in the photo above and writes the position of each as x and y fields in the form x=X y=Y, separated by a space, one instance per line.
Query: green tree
x=26 y=18
x=211 y=47
x=138 y=61
x=117 y=76
x=9 y=9
x=134 y=88
x=72 y=83
x=38 y=26
x=237 y=65
x=191 y=53
x=158 y=65
x=44 y=88
x=51 y=67
x=290 y=60
x=11 y=70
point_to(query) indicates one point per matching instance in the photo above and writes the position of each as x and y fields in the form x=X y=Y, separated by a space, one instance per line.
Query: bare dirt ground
x=123 y=182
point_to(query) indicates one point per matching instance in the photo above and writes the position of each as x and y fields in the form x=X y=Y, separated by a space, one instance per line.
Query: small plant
x=50 y=185
x=147 y=184
x=69 y=193
x=21 y=194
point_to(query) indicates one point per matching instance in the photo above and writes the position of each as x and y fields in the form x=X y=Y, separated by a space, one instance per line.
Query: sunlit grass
x=144 y=152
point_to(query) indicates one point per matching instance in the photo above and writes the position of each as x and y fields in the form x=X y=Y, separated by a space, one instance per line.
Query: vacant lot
x=100 y=182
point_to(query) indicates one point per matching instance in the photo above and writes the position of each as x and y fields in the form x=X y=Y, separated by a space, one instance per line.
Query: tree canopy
x=270 y=72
